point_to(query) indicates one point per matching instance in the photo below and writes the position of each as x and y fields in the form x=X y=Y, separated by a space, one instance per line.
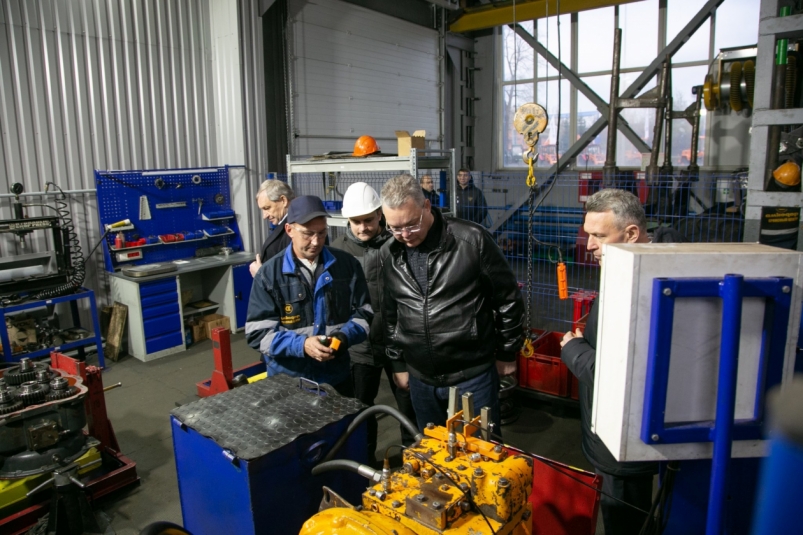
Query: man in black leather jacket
x=451 y=306
x=612 y=216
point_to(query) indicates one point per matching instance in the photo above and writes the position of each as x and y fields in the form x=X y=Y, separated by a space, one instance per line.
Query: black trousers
x=366 y=380
x=618 y=518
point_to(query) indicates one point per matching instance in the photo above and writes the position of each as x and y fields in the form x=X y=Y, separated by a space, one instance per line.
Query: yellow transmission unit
x=731 y=82
x=447 y=486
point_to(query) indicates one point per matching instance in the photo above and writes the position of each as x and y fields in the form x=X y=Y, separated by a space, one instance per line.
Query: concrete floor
x=139 y=412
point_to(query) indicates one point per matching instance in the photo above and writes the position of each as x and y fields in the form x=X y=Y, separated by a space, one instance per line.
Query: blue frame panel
x=776 y=320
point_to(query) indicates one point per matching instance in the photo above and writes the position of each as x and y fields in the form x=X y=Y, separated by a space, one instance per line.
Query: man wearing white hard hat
x=365 y=235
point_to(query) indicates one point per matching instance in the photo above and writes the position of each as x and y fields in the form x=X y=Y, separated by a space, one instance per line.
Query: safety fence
x=705 y=207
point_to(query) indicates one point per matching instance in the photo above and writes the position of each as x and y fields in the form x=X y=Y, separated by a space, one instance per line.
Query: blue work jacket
x=283 y=312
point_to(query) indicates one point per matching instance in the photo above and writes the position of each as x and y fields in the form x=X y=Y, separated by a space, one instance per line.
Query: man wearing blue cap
x=308 y=305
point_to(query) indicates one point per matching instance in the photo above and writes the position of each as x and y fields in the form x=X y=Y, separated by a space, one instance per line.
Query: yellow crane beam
x=502 y=14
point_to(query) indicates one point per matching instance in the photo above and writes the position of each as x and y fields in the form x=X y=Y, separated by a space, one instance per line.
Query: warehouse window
x=528 y=77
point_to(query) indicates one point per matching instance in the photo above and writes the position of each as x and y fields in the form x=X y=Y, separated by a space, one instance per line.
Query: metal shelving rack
x=417 y=160
x=771 y=28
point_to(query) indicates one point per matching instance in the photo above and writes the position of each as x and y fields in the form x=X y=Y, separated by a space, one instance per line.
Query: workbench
x=155 y=310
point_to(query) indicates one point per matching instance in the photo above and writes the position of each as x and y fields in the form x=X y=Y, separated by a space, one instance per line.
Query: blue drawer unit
x=242 y=291
x=161 y=315
x=241 y=472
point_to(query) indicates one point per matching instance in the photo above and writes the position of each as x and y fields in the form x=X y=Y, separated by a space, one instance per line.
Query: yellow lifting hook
x=530 y=121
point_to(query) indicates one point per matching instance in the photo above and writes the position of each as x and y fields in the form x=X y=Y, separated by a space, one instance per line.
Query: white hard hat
x=360 y=199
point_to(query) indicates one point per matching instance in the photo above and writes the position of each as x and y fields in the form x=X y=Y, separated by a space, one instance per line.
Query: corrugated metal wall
x=254 y=131
x=107 y=84
x=356 y=71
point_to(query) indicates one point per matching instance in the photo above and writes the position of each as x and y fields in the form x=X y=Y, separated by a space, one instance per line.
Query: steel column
x=609 y=170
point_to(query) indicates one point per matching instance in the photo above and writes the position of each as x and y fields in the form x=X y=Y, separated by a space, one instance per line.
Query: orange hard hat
x=787 y=175
x=364 y=146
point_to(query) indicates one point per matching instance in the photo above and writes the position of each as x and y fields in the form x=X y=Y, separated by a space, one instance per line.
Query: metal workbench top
x=194 y=264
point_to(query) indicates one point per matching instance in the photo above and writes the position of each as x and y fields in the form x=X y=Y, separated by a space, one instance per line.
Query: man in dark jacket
x=273 y=199
x=308 y=292
x=428 y=189
x=470 y=200
x=612 y=216
x=451 y=306
x=365 y=235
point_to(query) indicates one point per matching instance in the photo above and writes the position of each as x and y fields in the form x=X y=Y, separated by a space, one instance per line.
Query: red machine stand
x=118 y=470
x=223 y=374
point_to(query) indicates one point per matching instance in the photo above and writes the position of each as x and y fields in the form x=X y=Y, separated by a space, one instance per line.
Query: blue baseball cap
x=305 y=208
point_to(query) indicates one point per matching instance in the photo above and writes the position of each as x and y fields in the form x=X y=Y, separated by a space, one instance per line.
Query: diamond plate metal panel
x=254 y=420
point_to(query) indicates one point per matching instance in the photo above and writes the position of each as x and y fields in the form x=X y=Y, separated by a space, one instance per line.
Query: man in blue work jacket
x=308 y=292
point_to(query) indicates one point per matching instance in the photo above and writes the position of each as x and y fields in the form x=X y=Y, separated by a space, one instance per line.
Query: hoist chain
x=530 y=269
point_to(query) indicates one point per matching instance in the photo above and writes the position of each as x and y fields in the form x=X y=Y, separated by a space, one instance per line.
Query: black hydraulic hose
x=370 y=411
x=351 y=466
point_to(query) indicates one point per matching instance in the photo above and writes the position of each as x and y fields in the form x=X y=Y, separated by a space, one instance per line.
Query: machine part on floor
x=451 y=483
x=70 y=512
x=731 y=81
x=32 y=438
x=102 y=469
x=14 y=492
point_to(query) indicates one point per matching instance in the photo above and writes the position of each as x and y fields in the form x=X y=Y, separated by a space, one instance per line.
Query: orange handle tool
x=335 y=344
x=563 y=285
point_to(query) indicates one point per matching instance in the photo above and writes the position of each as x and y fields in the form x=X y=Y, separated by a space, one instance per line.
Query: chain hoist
x=530 y=121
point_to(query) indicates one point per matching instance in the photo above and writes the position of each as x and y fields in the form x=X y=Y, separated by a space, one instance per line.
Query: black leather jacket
x=471 y=316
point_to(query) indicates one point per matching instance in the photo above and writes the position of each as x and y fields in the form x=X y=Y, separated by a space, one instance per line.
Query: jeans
x=431 y=402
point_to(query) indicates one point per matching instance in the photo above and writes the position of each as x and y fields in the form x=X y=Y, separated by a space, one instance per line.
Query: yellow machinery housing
x=451 y=483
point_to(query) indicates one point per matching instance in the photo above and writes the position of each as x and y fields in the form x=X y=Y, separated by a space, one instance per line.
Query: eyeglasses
x=409 y=230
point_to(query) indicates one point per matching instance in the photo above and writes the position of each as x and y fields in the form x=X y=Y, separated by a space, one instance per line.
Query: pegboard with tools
x=165 y=215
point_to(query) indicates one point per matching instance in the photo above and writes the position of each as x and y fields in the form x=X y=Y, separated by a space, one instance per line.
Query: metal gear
x=60 y=389
x=31 y=393
x=8 y=401
x=710 y=93
x=24 y=372
x=749 y=73
x=736 y=81
x=43 y=377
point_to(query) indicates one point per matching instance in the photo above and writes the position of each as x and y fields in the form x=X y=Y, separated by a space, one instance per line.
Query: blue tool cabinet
x=155 y=309
x=244 y=457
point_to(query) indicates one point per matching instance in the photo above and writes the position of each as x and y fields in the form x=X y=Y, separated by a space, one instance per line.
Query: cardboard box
x=21 y=332
x=407 y=142
x=198 y=330
x=213 y=321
